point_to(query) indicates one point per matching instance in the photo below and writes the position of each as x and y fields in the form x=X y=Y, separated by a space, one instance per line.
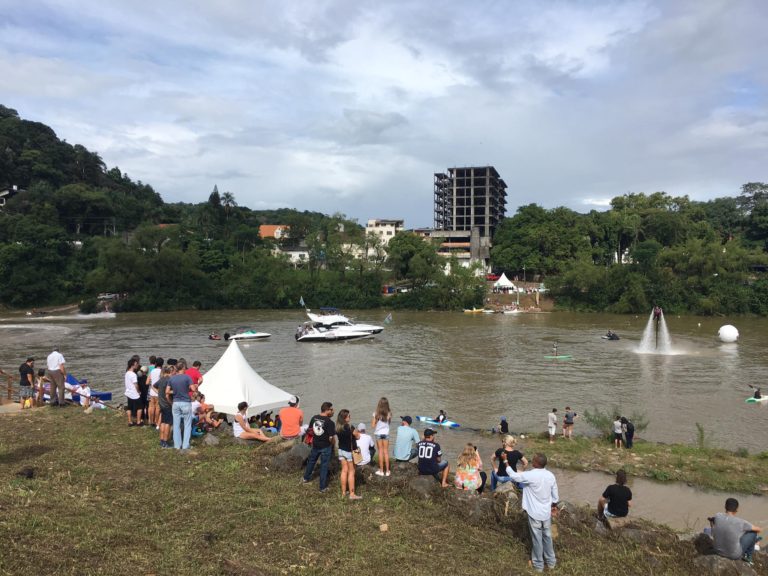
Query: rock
x=471 y=505
x=617 y=523
x=719 y=566
x=645 y=537
x=292 y=459
x=383 y=528
x=211 y=440
x=424 y=487
x=703 y=543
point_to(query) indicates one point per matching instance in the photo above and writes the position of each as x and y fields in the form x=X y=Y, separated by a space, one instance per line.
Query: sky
x=351 y=106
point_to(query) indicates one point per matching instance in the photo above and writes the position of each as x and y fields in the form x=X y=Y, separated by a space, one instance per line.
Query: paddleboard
x=433 y=422
x=752 y=400
x=561 y=357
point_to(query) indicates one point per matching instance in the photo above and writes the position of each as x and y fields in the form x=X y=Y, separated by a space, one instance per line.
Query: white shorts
x=552 y=430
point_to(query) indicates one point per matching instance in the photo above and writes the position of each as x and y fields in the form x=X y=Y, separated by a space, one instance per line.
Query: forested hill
x=72 y=227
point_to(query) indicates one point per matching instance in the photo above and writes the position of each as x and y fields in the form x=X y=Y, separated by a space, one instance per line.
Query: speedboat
x=331 y=318
x=316 y=332
x=246 y=335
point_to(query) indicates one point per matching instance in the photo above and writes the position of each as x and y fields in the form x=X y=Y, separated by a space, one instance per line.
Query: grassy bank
x=105 y=499
x=704 y=467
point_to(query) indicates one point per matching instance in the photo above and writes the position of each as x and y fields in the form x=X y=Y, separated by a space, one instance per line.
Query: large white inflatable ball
x=728 y=333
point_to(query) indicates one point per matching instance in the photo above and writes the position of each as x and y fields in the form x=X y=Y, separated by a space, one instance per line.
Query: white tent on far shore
x=504 y=282
x=232 y=380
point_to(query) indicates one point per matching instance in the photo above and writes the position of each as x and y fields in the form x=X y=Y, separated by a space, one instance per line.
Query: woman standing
x=344 y=433
x=469 y=475
x=132 y=393
x=380 y=424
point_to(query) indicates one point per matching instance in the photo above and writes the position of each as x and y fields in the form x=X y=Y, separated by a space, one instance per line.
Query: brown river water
x=475 y=366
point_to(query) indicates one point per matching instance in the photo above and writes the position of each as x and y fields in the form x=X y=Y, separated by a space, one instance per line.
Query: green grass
x=704 y=467
x=105 y=499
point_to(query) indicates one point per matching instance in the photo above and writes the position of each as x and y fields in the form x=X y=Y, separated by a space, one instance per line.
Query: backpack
x=309 y=437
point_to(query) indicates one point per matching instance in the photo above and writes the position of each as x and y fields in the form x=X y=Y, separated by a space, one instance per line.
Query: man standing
x=568 y=419
x=552 y=425
x=56 y=373
x=324 y=437
x=26 y=382
x=430 y=458
x=629 y=432
x=734 y=538
x=178 y=388
x=196 y=376
x=291 y=419
x=166 y=408
x=407 y=438
x=540 y=499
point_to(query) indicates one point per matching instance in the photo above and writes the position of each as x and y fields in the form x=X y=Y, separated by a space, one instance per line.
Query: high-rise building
x=469 y=198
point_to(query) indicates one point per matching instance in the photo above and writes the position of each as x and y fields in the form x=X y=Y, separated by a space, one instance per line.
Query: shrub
x=602 y=421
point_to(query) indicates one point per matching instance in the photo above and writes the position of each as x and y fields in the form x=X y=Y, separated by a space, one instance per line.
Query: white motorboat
x=331 y=318
x=316 y=332
x=246 y=335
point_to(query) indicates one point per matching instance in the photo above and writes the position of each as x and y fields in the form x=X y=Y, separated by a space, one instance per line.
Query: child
x=345 y=434
x=40 y=383
x=380 y=424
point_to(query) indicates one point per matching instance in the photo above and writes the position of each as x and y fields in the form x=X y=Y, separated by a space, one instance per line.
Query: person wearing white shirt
x=364 y=444
x=57 y=374
x=540 y=499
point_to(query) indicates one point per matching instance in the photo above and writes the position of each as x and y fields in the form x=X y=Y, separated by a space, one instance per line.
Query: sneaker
x=379 y=473
x=748 y=560
x=388 y=473
x=323 y=490
x=355 y=497
x=305 y=481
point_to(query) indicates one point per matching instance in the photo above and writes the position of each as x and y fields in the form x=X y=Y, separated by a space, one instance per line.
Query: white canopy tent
x=232 y=380
x=504 y=282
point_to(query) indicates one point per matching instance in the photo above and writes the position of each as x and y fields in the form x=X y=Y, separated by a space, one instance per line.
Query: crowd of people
x=165 y=395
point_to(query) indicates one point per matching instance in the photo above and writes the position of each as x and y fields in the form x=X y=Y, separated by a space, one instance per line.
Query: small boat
x=214 y=336
x=473 y=310
x=433 y=422
x=753 y=400
x=332 y=318
x=246 y=335
x=513 y=311
x=316 y=332
x=610 y=336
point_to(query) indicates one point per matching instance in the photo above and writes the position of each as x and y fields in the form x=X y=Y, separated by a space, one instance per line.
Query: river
x=477 y=367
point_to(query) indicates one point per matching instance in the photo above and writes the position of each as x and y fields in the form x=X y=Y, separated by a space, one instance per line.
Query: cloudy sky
x=351 y=105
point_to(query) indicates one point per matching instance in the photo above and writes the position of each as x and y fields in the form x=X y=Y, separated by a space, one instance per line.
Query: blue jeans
x=747 y=543
x=325 y=458
x=496 y=479
x=541 y=535
x=182 y=412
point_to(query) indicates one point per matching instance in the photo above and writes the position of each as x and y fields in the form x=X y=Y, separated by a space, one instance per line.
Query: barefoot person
x=380 y=424
x=431 y=458
x=344 y=434
x=242 y=429
x=552 y=425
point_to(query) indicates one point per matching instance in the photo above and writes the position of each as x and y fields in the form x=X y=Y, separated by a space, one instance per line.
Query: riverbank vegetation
x=93 y=229
x=88 y=495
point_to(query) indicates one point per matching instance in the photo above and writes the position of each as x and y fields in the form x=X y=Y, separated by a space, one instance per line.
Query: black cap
x=407 y=419
x=429 y=432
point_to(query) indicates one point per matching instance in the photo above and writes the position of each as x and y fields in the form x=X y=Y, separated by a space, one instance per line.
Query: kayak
x=560 y=357
x=753 y=400
x=433 y=422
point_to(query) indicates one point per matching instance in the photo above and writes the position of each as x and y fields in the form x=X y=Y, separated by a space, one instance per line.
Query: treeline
x=75 y=229
x=695 y=257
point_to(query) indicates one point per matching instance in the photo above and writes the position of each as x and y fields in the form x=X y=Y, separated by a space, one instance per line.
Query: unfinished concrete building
x=469 y=198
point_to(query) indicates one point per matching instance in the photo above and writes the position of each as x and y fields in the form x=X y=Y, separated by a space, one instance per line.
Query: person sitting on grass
x=242 y=429
x=616 y=499
x=365 y=445
x=430 y=458
x=469 y=475
x=734 y=538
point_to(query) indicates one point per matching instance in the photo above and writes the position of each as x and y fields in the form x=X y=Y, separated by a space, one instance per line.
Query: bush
x=603 y=421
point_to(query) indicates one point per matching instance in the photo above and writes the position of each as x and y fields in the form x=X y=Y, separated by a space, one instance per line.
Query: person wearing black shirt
x=324 y=437
x=616 y=499
x=499 y=472
x=629 y=432
x=26 y=382
x=430 y=461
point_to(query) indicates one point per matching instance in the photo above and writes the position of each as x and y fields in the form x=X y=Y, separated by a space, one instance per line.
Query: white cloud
x=351 y=106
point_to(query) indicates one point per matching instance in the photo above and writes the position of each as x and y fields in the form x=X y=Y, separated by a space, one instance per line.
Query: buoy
x=728 y=333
